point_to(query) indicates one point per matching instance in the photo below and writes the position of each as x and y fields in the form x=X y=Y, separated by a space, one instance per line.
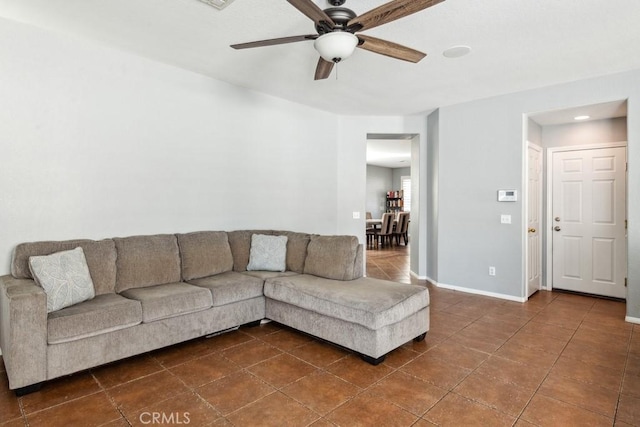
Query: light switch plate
x=356 y=215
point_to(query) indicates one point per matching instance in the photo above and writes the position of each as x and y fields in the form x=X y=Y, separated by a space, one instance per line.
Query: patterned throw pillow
x=268 y=253
x=64 y=276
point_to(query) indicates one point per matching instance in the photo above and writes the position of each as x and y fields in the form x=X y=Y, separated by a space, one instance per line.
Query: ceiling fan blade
x=323 y=70
x=387 y=48
x=271 y=42
x=312 y=11
x=388 y=12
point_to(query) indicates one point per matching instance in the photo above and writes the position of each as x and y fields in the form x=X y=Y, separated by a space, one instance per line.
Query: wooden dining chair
x=371 y=231
x=402 y=228
x=385 y=232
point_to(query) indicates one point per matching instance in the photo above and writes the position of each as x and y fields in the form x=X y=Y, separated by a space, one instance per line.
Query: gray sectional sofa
x=154 y=291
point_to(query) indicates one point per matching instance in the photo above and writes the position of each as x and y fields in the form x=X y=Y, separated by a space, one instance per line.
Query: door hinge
x=626 y=224
x=625 y=282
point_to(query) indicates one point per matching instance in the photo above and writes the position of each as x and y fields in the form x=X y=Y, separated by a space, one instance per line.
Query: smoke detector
x=218 y=4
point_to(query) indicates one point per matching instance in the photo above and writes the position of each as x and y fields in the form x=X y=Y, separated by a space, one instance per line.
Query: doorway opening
x=393 y=182
x=579 y=240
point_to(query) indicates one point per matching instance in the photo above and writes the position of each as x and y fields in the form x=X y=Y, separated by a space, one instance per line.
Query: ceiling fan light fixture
x=336 y=46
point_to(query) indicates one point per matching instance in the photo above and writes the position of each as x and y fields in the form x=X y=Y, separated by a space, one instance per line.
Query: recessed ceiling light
x=218 y=4
x=456 y=51
x=581 y=117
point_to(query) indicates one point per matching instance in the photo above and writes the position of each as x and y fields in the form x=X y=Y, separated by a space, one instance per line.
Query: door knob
x=532 y=230
x=557 y=228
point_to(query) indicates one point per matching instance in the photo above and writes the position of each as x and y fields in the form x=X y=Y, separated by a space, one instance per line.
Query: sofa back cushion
x=100 y=256
x=333 y=257
x=204 y=253
x=146 y=261
x=240 y=242
x=297 y=244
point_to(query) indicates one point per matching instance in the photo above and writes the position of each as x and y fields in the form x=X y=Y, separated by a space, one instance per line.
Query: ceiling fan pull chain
x=337 y=68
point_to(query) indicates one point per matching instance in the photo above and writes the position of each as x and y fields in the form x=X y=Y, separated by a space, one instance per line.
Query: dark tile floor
x=558 y=360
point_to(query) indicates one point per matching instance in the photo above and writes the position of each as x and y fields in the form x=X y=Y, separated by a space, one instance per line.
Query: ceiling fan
x=337 y=27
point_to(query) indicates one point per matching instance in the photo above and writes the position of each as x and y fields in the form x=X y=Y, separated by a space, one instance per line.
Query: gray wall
x=379 y=181
x=534 y=132
x=431 y=191
x=398 y=173
x=481 y=150
x=585 y=133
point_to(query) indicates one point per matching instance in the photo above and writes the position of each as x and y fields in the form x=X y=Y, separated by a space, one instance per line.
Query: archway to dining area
x=393 y=176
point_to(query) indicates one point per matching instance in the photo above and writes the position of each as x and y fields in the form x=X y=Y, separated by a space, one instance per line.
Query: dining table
x=375 y=223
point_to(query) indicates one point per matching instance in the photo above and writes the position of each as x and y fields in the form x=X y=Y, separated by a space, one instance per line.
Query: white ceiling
x=605 y=110
x=389 y=153
x=516 y=45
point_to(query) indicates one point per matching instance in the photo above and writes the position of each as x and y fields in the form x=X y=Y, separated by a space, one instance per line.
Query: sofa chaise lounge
x=153 y=291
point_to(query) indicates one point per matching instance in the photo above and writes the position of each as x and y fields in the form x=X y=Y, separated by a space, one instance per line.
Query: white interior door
x=589 y=212
x=534 y=214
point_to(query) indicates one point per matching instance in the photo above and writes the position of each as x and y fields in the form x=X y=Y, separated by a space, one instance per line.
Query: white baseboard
x=430 y=280
x=479 y=292
x=412 y=274
x=630 y=319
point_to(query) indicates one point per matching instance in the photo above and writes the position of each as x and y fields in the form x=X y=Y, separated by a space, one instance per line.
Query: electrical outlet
x=492 y=271
x=356 y=215
x=505 y=219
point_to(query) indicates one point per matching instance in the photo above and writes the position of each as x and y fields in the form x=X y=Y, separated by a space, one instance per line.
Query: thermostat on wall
x=507 y=195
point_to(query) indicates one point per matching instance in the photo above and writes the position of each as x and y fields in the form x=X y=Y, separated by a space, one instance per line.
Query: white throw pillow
x=268 y=253
x=64 y=276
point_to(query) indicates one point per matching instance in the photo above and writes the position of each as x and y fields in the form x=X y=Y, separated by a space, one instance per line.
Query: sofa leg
x=372 y=360
x=28 y=389
x=420 y=337
x=253 y=324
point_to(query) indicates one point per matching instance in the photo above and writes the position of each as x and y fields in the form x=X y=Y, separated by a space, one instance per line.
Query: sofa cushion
x=296 y=249
x=147 y=260
x=230 y=287
x=240 y=242
x=372 y=303
x=268 y=253
x=169 y=300
x=104 y=313
x=64 y=276
x=264 y=275
x=100 y=256
x=332 y=257
x=204 y=253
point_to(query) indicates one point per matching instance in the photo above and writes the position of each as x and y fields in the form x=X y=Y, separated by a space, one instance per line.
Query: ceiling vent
x=218 y=4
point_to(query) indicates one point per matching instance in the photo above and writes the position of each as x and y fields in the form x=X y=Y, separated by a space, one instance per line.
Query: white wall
x=481 y=151
x=98 y=143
